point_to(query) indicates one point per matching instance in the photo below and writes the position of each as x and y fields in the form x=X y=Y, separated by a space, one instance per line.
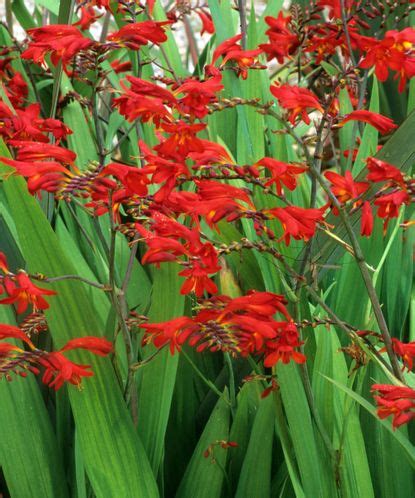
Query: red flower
x=61 y=41
x=283 y=347
x=396 y=401
x=366 y=226
x=174 y=332
x=282 y=41
x=381 y=171
x=144 y=100
x=35 y=151
x=297 y=100
x=281 y=173
x=12 y=332
x=389 y=205
x=297 y=222
x=182 y=140
x=381 y=123
x=88 y=17
x=203 y=261
x=25 y=293
x=96 y=345
x=58 y=370
x=344 y=187
x=197 y=95
x=207 y=23
x=230 y=50
x=137 y=34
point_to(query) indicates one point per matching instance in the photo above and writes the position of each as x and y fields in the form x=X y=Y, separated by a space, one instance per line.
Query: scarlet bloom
x=144 y=100
x=58 y=368
x=396 y=401
x=36 y=151
x=232 y=51
x=23 y=291
x=88 y=17
x=381 y=123
x=61 y=41
x=207 y=22
x=366 y=224
x=389 y=205
x=137 y=34
x=335 y=7
x=197 y=95
x=344 y=187
x=297 y=222
x=283 y=347
x=174 y=332
x=381 y=171
x=281 y=173
x=299 y=101
x=282 y=41
x=182 y=140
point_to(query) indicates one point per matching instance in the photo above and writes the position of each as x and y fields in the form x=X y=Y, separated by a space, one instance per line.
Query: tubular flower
x=137 y=34
x=366 y=223
x=242 y=326
x=396 y=401
x=282 y=41
x=297 y=222
x=88 y=17
x=381 y=171
x=383 y=124
x=406 y=351
x=22 y=291
x=207 y=22
x=344 y=187
x=299 y=101
x=61 y=41
x=57 y=368
x=232 y=51
x=280 y=173
x=182 y=140
x=335 y=7
x=389 y=204
x=144 y=100
x=197 y=95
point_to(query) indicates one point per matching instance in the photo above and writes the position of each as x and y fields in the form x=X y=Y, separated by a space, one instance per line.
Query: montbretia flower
x=366 y=223
x=61 y=41
x=284 y=347
x=232 y=51
x=381 y=171
x=174 y=332
x=297 y=222
x=406 y=351
x=345 y=188
x=383 y=124
x=88 y=17
x=207 y=22
x=389 y=204
x=395 y=401
x=299 y=101
x=281 y=173
x=57 y=368
x=197 y=95
x=137 y=34
x=181 y=141
x=282 y=41
x=23 y=292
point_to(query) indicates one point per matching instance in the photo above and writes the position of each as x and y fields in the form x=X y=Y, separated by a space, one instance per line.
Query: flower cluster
x=243 y=325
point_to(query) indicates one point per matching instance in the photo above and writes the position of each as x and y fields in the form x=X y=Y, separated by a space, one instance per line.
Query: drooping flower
x=137 y=34
x=381 y=171
x=23 y=292
x=381 y=123
x=366 y=223
x=389 y=204
x=398 y=401
x=231 y=51
x=281 y=173
x=299 y=101
x=345 y=188
x=297 y=222
x=207 y=22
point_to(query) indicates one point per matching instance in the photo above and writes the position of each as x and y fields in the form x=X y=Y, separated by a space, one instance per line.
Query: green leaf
x=204 y=476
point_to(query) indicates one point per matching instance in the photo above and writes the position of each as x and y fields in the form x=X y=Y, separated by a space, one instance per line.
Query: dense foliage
x=217 y=200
